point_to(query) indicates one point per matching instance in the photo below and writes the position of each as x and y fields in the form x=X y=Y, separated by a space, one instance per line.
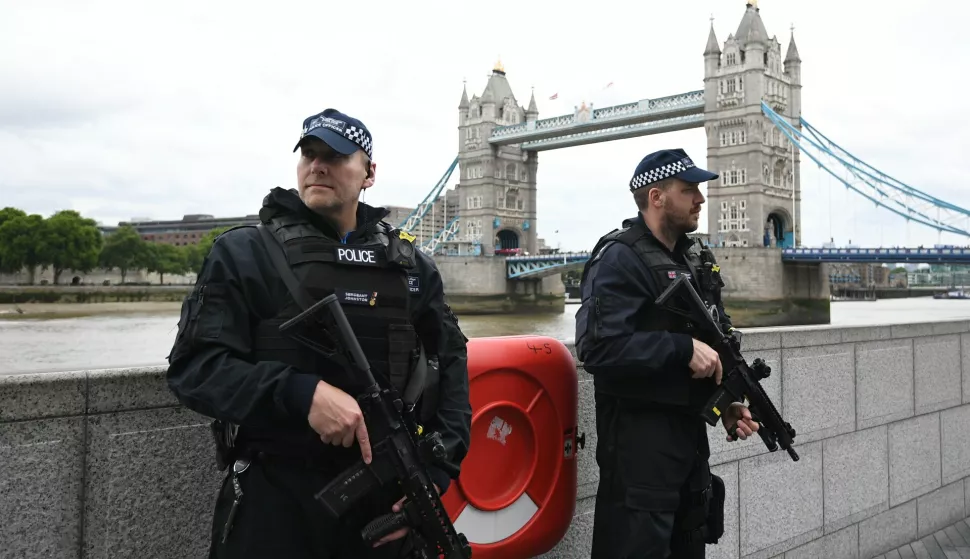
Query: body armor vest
x=703 y=273
x=371 y=283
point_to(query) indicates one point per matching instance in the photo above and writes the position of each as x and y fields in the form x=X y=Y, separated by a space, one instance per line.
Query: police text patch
x=357 y=256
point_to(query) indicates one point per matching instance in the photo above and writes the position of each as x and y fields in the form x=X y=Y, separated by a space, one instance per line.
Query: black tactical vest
x=664 y=270
x=372 y=290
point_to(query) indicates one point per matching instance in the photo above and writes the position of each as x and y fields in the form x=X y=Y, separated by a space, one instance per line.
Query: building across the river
x=186 y=231
x=192 y=228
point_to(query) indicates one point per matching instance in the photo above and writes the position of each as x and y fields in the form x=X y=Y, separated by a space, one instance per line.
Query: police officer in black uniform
x=656 y=496
x=286 y=418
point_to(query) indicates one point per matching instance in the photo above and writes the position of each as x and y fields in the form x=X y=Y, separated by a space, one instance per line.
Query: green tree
x=168 y=259
x=198 y=252
x=21 y=242
x=6 y=214
x=71 y=242
x=124 y=249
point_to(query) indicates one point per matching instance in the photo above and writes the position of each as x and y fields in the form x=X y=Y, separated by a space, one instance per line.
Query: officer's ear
x=371 y=169
x=657 y=192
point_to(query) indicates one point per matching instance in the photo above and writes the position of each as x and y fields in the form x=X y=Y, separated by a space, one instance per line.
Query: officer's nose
x=319 y=166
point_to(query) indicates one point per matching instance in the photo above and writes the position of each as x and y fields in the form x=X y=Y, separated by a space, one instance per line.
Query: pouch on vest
x=428 y=406
x=401 y=338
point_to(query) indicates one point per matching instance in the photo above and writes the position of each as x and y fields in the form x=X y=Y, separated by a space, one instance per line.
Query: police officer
x=287 y=421
x=651 y=377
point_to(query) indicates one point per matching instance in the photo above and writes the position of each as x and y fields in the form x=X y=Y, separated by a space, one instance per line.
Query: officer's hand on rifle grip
x=400 y=533
x=337 y=418
x=739 y=423
x=705 y=362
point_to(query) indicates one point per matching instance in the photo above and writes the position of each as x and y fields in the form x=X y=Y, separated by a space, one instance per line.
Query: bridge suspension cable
x=413 y=219
x=448 y=233
x=881 y=189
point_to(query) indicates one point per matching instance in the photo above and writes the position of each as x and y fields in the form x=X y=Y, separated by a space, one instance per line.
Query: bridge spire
x=792 y=56
x=464 y=95
x=712 y=46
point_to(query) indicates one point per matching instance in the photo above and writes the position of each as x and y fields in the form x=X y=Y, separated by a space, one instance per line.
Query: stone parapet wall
x=882 y=416
x=107 y=464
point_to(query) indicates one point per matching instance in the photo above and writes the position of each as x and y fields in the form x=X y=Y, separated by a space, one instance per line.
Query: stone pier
x=761 y=290
x=478 y=285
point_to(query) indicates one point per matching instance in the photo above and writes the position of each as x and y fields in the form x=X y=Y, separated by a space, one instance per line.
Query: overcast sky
x=137 y=109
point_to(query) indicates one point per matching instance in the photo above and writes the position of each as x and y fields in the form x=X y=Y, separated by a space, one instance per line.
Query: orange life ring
x=516 y=495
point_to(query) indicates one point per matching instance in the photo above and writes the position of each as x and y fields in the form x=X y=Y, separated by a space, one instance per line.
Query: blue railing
x=882 y=255
x=542 y=265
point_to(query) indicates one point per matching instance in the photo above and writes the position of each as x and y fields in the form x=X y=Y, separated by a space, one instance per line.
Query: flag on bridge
x=554 y=96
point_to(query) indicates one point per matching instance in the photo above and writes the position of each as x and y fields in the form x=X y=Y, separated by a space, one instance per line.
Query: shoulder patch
x=404 y=235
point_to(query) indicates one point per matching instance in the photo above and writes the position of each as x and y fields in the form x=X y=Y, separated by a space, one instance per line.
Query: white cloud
x=121 y=109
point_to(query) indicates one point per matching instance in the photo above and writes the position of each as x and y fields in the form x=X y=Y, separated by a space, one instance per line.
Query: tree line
x=68 y=241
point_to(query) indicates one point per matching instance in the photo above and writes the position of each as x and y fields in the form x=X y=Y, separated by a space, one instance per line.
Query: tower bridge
x=750 y=109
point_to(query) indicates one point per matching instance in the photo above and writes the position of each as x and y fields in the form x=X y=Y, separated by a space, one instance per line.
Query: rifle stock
x=401 y=449
x=740 y=381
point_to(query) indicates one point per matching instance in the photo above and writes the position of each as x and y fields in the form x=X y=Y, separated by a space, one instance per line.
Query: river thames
x=127 y=340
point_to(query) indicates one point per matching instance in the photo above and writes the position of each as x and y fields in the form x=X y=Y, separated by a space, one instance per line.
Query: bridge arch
x=507 y=239
x=778 y=229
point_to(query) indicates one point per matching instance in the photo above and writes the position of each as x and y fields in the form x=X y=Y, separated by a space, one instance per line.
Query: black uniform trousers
x=278 y=517
x=653 y=475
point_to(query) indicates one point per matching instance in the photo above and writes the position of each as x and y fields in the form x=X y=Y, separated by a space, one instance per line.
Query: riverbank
x=46 y=311
x=91 y=294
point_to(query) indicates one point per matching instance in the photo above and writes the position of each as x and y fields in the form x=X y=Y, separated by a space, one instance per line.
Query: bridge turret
x=497 y=190
x=751 y=204
x=532 y=113
x=488 y=105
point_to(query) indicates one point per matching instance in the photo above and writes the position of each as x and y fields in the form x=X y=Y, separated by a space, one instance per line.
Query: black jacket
x=211 y=371
x=617 y=292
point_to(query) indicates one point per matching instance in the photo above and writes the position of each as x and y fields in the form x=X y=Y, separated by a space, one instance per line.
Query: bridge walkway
x=952 y=542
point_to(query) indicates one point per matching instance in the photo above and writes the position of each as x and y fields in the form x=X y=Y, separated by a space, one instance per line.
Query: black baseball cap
x=667 y=163
x=343 y=133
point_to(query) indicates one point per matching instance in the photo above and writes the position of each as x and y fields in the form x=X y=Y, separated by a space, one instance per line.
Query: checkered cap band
x=660 y=173
x=356 y=135
x=361 y=138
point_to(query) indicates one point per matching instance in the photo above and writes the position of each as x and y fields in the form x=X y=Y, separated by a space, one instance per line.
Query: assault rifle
x=739 y=381
x=401 y=449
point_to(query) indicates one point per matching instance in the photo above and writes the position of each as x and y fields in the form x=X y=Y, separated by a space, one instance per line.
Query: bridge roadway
x=523 y=267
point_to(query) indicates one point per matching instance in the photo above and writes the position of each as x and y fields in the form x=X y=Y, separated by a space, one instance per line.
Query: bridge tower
x=497 y=188
x=757 y=199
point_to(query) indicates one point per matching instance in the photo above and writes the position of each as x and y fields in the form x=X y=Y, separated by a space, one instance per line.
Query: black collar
x=287 y=201
x=683 y=244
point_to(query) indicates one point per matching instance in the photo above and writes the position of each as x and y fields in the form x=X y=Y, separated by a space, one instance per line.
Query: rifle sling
x=277 y=253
